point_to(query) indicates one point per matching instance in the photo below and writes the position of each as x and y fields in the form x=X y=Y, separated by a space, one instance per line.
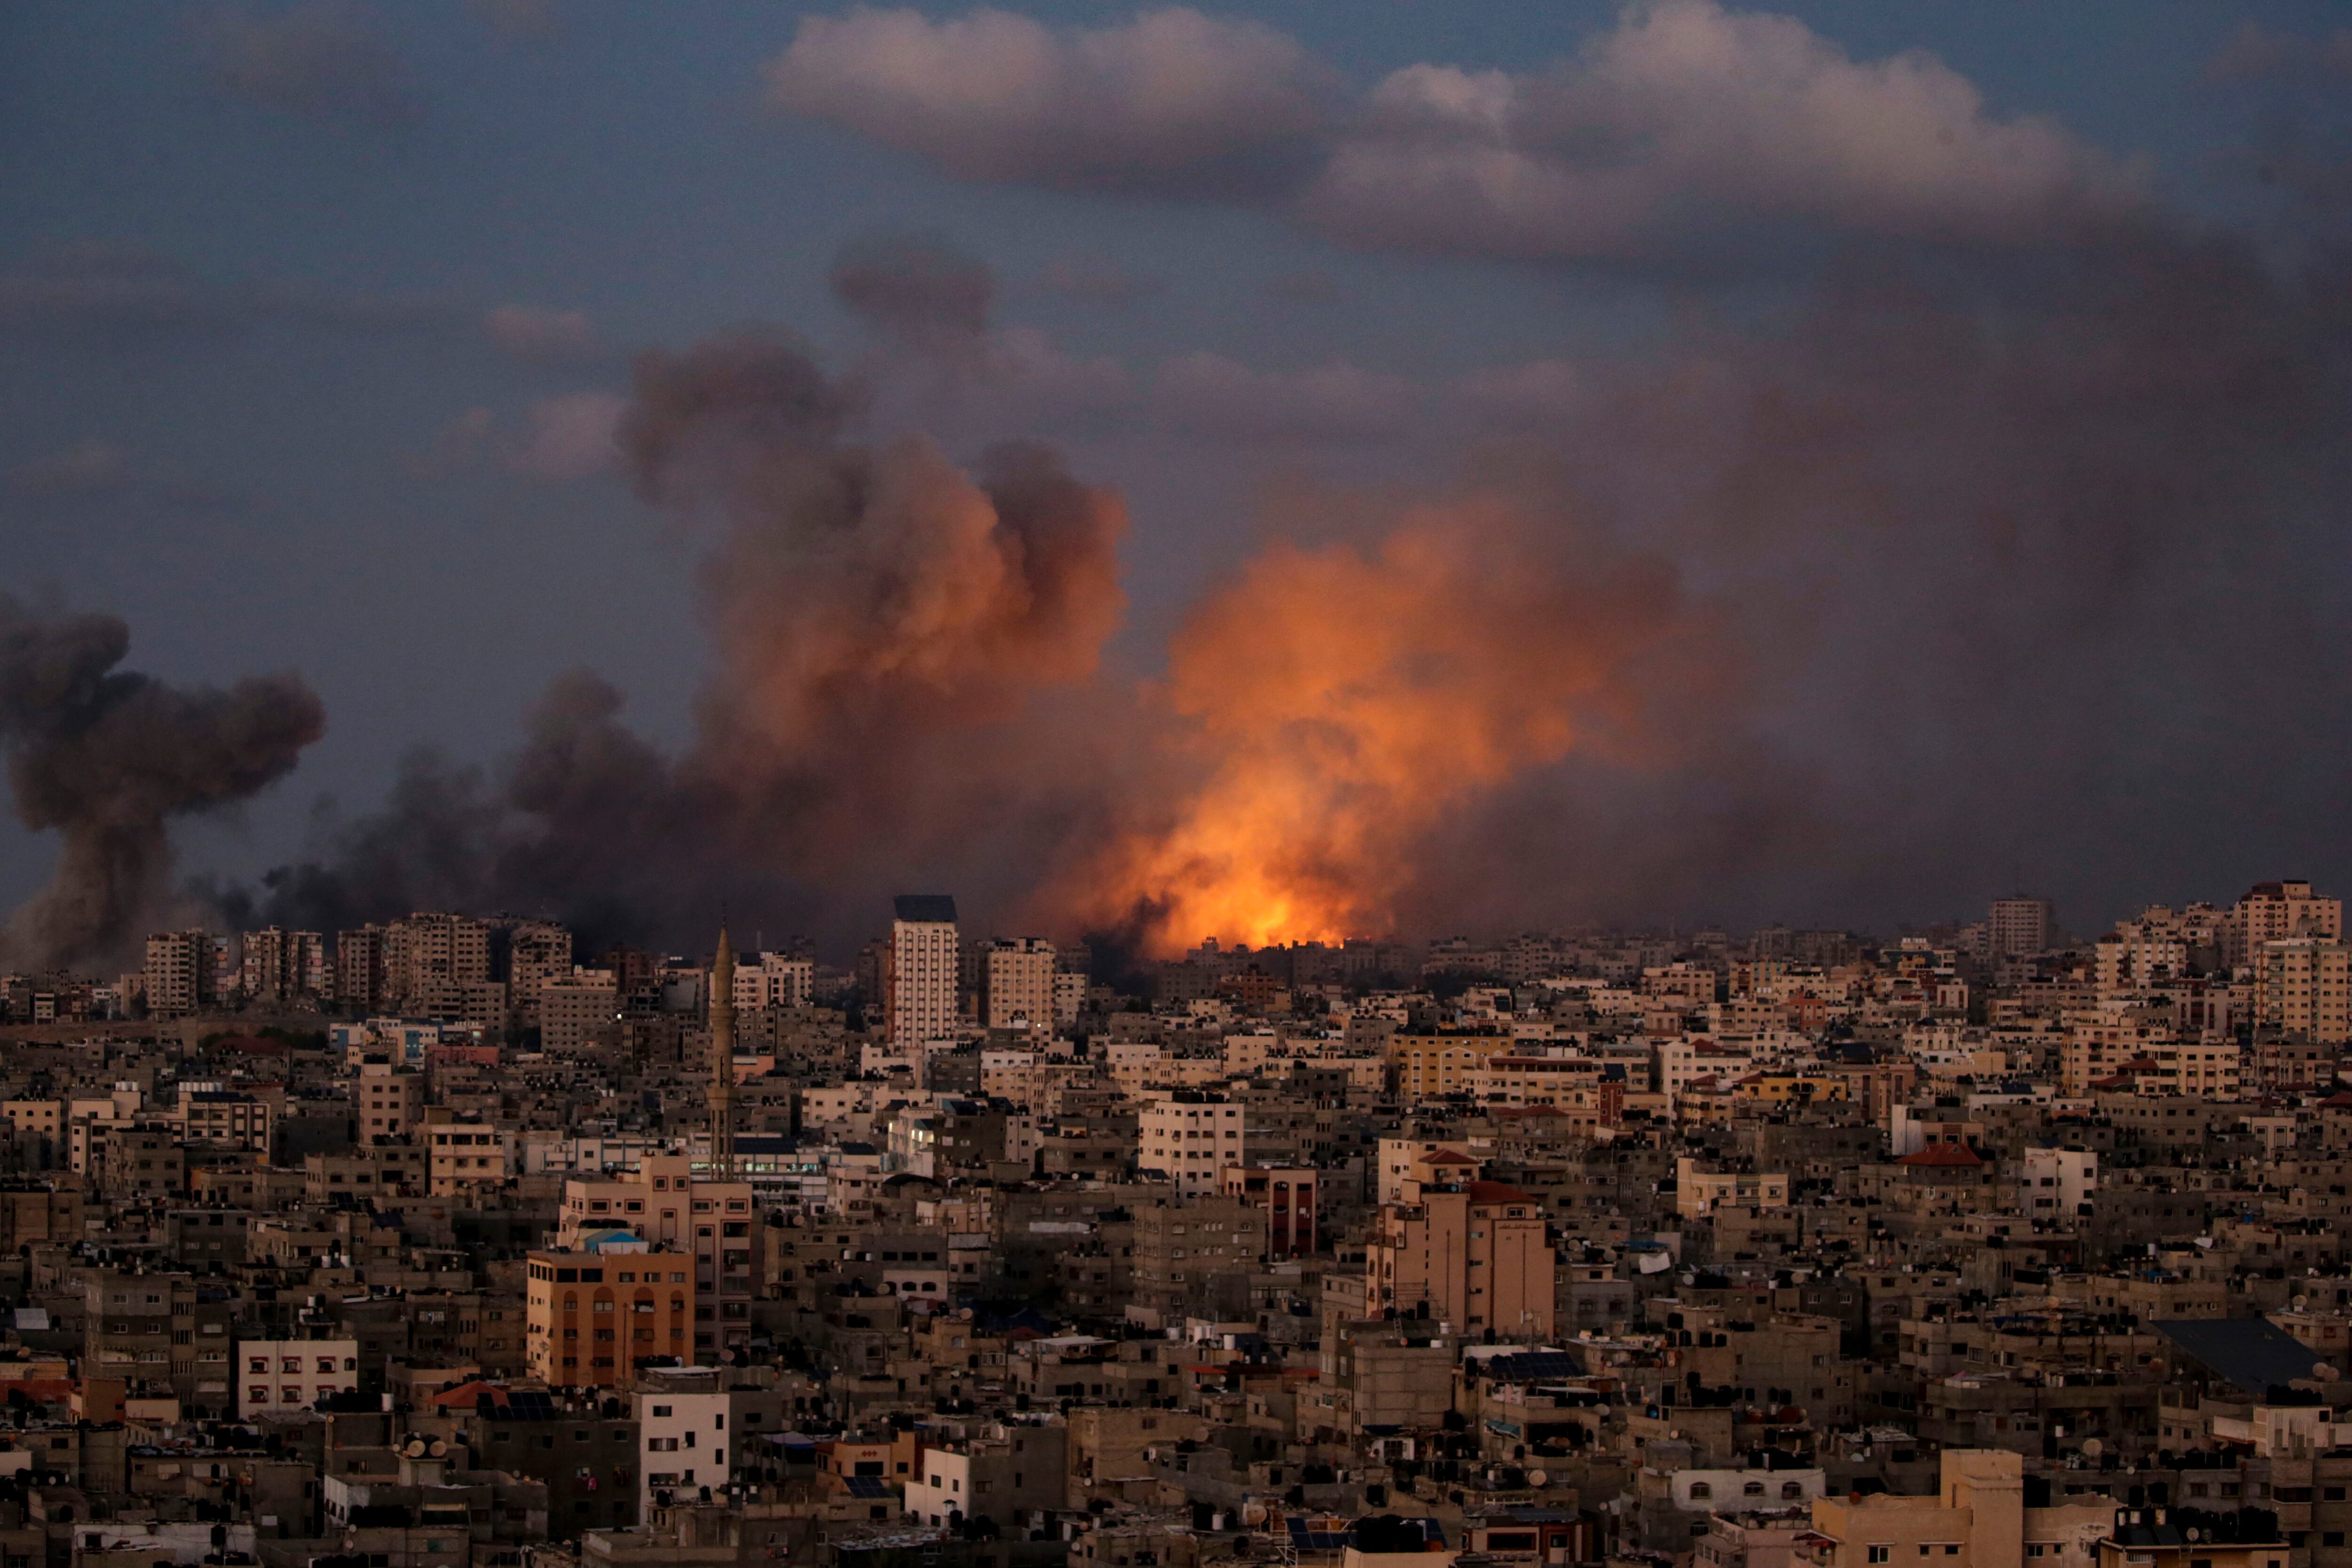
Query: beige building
x=1472 y=1253
x=429 y=956
x=179 y=973
x=1698 y=1191
x=2303 y=988
x=1430 y=1067
x=2021 y=925
x=1190 y=1137
x=386 y=1102
x=2278 y=911
x=774 y=980
x=920 y=970
x=1976 y=1518
x=464 y=1156
x=1016 y=983
x=223 y=1116
x=578 y=1013
x=538 y=952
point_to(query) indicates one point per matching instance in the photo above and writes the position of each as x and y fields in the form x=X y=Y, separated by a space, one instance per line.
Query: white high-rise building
x=920 y=969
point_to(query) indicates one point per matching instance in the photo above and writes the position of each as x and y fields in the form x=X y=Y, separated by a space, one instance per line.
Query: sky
x=1829 y=463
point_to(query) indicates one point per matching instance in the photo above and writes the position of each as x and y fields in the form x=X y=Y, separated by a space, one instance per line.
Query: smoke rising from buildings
x=107 y=757
x=890 y=627
x=1336 y=702
x=1964 y=560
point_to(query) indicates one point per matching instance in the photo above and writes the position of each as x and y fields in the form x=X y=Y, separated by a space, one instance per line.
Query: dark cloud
x=325 y=61
x=106 y=758
x=916 y=289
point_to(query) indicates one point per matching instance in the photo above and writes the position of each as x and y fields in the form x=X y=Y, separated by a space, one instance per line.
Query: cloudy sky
x=1930 y=417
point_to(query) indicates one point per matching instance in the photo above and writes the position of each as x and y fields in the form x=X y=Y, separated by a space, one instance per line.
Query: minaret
x=722 y=1060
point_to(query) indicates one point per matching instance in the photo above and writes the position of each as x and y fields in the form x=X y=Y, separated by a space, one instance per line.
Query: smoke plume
x=1337 y=702
x=1972 y=563
x=892 y=629
x=107 y=757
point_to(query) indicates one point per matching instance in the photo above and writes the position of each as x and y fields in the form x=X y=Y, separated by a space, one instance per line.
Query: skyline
x=1712 y=464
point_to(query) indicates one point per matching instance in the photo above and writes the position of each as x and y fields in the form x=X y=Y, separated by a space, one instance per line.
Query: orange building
x=592 y=1314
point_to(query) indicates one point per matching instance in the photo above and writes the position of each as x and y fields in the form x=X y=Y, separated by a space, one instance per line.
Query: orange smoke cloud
x=1335 y=703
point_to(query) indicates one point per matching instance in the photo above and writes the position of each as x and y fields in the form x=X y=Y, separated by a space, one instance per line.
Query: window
x=1880 y=1553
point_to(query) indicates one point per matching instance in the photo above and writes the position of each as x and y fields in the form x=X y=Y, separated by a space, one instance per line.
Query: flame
x=1335 y=703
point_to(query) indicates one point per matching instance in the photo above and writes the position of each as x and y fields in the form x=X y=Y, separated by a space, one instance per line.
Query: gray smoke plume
x=896 y=633
x=107 y=758
x=2025 y=563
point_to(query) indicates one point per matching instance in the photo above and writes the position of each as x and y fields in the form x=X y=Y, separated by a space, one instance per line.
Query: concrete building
x=466 y=1155
x=359 y=970
x=179 y=973
x=774 y=980
x=666 y=1203
x=701 y=1426
x=279 y=1376
x=1288 y=1194
x=386 y=1102
x=2057 y=1183
x=2278 y=911
x=1473 y=1255
x=429 y=956
x=1190 y=1137
x=1016 y=983
x=921 y=967
x=2303 y=988
x=219 y=1116
x=1005 y=1474
x=577 y=1013
x=538 y=952
x=2020 y=925
x=587 y=1315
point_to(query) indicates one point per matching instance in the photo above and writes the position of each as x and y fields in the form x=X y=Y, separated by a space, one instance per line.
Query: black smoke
x=107 y=757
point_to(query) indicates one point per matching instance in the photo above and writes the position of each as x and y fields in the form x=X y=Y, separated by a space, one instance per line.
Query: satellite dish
x=2093 y=1448
x=1252 y=1514
x=2300 y=1302
x=1537 y=1477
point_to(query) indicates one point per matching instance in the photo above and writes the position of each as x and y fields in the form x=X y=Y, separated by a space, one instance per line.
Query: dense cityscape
x=439 y=1243
x=1041 y=784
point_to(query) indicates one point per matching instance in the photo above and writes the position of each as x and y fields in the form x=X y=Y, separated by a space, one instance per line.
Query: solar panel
x=1533 y=1363
x=868 y=1487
